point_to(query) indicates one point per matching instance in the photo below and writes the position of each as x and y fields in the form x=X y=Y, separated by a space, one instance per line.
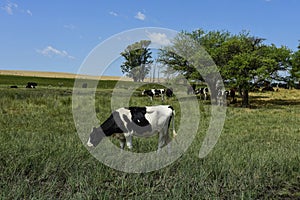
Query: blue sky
x=58 y=35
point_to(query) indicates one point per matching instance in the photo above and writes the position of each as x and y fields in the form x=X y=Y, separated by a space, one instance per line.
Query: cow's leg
x=128 y=138
x=122 y=143
x=160 y=141
x=164 y=139
x=168 y=141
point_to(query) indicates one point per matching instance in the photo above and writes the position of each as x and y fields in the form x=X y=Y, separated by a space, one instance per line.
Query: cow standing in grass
x=154 y=92
x=222 y=97
x=136 y=121
x=203 y=92
x=31 y=85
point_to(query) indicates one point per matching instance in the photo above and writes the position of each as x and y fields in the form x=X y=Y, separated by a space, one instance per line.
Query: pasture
x=41 y=156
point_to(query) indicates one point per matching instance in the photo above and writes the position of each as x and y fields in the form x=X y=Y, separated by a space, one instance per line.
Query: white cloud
x=69 y=26
x=159 y=38
x=10 y=8
x=113 y=13
x=51 y=51
x=29 y=12
x=140 y=16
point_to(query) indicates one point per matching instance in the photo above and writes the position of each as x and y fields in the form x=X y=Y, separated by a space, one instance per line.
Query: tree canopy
x=243 y=60
x=137 y=59
x=295 y=69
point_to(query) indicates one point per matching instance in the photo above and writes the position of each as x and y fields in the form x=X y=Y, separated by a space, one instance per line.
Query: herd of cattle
x=222 y=95
x=126 y=122
x=29 y=85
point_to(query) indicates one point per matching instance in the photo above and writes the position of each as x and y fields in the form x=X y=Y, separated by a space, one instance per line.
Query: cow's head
x=95 y=137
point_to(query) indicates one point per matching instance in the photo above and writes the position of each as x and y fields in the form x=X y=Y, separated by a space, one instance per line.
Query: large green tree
x=251 y=61
x=242 y=59
x=295 y=69
x=137 y=60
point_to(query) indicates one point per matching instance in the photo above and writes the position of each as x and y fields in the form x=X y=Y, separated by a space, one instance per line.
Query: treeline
x=243 y=60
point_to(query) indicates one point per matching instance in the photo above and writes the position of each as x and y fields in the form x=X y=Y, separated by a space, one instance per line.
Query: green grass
x=42 y=157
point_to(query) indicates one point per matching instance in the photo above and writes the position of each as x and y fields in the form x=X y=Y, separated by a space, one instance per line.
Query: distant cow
x=154 y=92
x=13 y=86
x=169 y=92
x=222 y=97
x=84 y=85
x=203 y=92
x=31 y=85
x=136 y=121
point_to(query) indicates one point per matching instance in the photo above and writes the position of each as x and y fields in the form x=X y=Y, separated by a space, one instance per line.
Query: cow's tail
x=173 y=122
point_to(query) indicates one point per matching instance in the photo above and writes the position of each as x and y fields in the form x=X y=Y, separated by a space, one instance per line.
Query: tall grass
x=41 y=156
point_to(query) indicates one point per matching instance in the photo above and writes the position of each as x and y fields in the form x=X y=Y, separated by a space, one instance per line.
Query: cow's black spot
x=138 y=116
x=113 y=124
x=171 y=107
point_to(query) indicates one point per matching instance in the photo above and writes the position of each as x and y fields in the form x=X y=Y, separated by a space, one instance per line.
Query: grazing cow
x=169 y=92
x=154 y=92
x=13 y=86
x=203 y=92
x=136 y=121
x=149 y=93
x=222 y=97
x=31 y=85
x=84 y=85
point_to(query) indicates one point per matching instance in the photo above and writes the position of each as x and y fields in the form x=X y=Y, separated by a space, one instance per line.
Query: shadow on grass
x=274 y=102
x=261 y=102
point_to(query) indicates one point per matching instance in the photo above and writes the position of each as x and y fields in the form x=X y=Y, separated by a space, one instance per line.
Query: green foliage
x=137 y=58
x=295 y=70
x=242 y=59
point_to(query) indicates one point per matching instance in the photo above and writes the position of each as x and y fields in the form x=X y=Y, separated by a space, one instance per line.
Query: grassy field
x=41 y=156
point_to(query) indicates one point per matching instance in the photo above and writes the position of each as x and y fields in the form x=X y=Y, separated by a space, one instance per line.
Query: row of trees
x=243 y=60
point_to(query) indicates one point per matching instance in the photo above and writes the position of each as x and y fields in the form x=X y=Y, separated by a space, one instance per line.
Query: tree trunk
x=240 y=91
x=245 y=98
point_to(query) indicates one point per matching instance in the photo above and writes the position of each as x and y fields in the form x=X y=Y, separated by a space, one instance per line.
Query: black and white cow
x=154 y=92
x=222 y=97
x=136 y=121
x=84 y=85
x=203 y=92
x=31 y=85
